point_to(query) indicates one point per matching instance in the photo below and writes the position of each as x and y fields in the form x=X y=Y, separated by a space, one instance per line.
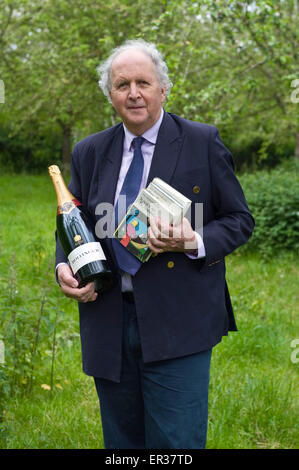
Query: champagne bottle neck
x=65 y=199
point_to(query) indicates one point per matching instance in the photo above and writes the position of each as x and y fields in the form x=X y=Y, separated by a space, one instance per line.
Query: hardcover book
x=159 y=199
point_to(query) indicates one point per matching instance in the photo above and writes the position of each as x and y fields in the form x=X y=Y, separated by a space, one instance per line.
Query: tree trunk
x=297 y=146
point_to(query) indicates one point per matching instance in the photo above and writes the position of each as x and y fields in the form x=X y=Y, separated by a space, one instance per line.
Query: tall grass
x=29 y=297
x=45 y=399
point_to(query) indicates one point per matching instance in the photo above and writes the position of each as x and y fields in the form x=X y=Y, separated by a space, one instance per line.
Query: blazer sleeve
x=232 y=224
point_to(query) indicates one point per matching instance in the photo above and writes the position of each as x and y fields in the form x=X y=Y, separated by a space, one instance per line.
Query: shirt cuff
x=59 y=264
x=201 y=252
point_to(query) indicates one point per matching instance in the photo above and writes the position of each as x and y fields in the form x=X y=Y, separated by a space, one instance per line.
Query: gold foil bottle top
x=65 y=200
x=54 y=170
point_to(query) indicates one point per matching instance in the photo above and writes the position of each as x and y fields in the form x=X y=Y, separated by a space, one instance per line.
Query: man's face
x=136 y=93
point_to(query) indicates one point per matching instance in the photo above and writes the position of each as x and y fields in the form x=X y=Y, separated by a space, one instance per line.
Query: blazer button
x=196 y=189
x=170 y=264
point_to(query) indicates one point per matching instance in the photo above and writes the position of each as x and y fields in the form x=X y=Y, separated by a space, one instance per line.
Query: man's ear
x=163 y=93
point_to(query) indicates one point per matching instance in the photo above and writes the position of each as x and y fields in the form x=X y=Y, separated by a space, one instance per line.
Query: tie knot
x=137 y=142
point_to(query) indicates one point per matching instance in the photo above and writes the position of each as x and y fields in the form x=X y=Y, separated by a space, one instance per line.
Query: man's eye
x=122 y=85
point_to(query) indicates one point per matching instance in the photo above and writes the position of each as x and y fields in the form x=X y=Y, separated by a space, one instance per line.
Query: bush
x=28 y=151
x=257 y=153
x=273 y=199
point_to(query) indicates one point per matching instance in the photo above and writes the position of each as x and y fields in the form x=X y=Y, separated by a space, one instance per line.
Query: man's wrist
x=191 y=251
x=198 y=251
x=56 y=271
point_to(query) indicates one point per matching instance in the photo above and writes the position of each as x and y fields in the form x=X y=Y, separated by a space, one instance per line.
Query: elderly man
x=148 y=340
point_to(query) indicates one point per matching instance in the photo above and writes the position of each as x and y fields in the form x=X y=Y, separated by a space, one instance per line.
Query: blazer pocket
x=214 y=262
x=214 y=266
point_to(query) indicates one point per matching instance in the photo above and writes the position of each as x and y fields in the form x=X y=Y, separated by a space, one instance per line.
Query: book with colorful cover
x=159 y=199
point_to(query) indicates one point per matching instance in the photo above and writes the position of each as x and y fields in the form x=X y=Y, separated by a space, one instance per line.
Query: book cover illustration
x=132 y=233
x=158 y=199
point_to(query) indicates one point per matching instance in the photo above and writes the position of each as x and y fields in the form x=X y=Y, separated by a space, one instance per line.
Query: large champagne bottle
x=86 y=257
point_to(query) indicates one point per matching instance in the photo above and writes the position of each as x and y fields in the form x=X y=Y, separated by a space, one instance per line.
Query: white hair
x=104 y=69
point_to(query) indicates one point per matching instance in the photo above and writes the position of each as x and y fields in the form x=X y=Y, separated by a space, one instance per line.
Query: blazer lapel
x=110 y=167
x=111 y=158
x=167 y=150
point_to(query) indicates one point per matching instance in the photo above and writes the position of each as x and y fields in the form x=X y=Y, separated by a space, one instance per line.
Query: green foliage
x=255 y=152
x=30 y=325
x=273 y=198
x=232 y=64
x=28 y=152
x=33 y=326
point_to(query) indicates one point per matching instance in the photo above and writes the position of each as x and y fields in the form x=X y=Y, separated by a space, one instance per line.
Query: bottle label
x=85 y=254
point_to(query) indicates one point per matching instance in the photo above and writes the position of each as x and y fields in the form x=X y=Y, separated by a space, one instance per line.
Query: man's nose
x=134 y=92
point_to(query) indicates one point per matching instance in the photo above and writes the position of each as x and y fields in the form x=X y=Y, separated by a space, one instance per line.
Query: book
x=159 y=199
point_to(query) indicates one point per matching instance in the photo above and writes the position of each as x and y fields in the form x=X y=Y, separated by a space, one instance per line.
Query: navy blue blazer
x=183 y=307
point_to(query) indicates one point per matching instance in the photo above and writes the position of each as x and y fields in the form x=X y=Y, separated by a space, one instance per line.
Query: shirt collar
x=150 y=134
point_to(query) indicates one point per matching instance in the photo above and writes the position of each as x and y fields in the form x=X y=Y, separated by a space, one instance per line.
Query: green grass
x=254 y=383
x=66 y=418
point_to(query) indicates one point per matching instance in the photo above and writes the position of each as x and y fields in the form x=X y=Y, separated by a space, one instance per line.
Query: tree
x=260 y=66
x=232 y=64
